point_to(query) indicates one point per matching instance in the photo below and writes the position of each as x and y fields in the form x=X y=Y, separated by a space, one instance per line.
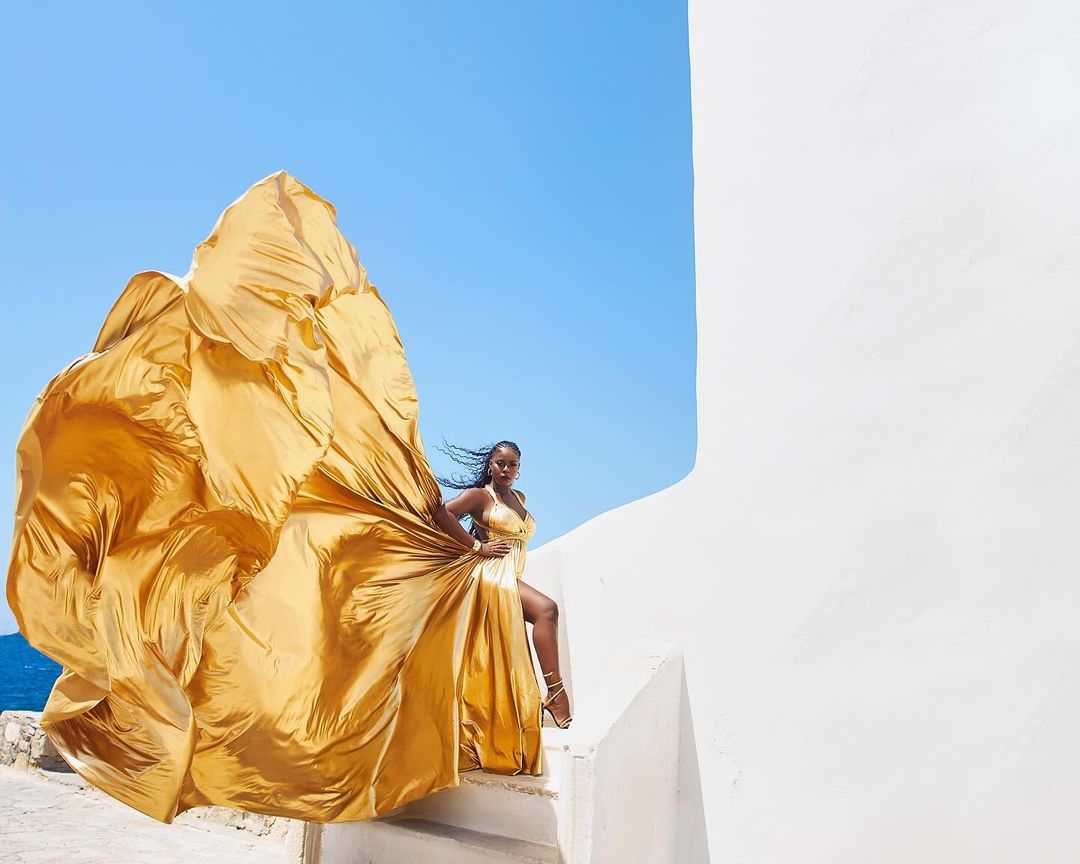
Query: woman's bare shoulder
x=471 y=498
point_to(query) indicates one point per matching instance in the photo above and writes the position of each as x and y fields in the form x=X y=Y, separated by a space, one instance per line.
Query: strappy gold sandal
x=551 y=695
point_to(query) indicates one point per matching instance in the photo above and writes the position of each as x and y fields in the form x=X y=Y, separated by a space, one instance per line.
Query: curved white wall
x=873 y=566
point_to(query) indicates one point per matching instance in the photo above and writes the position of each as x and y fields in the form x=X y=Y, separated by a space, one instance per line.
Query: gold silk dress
x=224 y=534
x=504 y=523
x=497 y=647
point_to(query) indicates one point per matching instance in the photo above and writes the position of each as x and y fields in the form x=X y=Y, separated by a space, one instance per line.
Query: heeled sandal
x=551 y=695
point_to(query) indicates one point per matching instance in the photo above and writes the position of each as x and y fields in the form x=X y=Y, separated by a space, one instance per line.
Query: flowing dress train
x=224 y=534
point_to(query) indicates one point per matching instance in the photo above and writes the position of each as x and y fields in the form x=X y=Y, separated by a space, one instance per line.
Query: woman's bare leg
x=543 y=613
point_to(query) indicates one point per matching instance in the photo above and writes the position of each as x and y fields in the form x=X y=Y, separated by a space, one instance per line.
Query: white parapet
x=871 y=568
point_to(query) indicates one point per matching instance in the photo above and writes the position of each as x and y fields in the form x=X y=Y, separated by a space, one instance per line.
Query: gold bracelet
x=476 y=545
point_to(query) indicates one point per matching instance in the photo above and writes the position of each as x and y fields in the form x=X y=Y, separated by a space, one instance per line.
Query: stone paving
x=53 y=819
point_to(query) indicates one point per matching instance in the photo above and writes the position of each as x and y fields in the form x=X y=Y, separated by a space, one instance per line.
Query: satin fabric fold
x=224 y=535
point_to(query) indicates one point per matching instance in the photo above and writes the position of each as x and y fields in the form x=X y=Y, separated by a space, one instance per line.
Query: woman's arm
x=448 y=513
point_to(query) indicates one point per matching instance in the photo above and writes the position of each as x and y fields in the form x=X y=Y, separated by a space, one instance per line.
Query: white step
x=518 y=806
x=401 y=840
x=521 y=808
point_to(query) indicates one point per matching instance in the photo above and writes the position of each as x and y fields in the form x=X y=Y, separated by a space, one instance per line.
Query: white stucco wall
x=873 y=566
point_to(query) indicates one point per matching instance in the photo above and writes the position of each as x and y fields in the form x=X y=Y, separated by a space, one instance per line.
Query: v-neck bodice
x=505 y=523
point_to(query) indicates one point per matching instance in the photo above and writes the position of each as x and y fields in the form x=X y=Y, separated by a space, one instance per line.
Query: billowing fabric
x=224 y=534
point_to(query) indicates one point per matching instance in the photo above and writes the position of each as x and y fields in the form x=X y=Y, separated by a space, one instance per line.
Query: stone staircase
x=488 y=818
x=606 y=779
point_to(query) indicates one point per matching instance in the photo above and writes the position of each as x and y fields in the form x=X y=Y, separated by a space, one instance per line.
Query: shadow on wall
x=691 y=833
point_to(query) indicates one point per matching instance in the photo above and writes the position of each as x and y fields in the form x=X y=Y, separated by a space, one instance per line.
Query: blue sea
x=26 y=675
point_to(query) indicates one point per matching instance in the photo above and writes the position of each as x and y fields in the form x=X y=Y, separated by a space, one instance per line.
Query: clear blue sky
x=516 y=177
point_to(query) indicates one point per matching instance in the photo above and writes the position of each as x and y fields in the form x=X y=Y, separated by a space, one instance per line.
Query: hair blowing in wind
x=475 y=461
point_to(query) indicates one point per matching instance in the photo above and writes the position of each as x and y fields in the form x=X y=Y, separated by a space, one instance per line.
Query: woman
x=488 y=500
x=226 y=534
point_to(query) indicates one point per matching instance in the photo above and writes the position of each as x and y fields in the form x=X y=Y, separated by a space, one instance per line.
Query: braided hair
x=477 y=462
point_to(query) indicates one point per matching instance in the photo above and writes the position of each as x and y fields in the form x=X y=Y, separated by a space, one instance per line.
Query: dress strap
x=487 y=528
x=490 y=531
